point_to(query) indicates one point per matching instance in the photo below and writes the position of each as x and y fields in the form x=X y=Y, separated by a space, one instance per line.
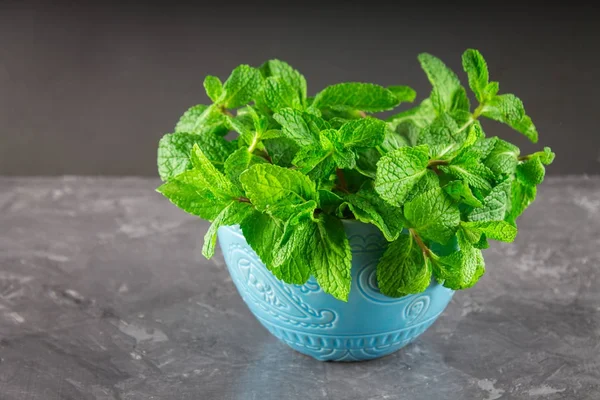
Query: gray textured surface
x=104 y=295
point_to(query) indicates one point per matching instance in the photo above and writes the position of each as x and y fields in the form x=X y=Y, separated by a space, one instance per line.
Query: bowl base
x=346 y=348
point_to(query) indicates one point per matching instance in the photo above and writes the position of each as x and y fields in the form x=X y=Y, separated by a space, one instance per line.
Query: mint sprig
x=289 y=168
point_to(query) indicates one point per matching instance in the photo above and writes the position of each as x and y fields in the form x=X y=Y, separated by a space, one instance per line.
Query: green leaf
x=496 y=230
x=482 y=244
x=213 y=178
x=531 y=171
x=546 y=156
x=188 y=192
x=503 y=158
x=446 y=94
x=331 y=256
x=421 y=116
x=508 y=108
x=277 y=191
x=282 y=150
x=460 y=191
x=238 y=162
x=287 y=74
x=404 y=94
x=470 y=169
x=366 y=162
x=460 y=270
x=328 y=201
x=202 y=120
x=241 y=87
x=244 y=125
x=392 y=141
x=428 y=182
x=278 y=94
x=233 y=213
x=476 y=68
x=174 y=151
x=368 y=207
x=399 y=171
x=433 y=215
x=213 y=87
x=442 y=136
x=361 y=133
x=262 y=232
x=521 y=196
x=403 y=269
x=315 y=161
x=292 y=256
x=302 y=127
x=356 y=96
x=496 y=204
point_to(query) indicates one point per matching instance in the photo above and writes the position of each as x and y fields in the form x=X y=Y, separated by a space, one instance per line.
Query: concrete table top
x=104 y=295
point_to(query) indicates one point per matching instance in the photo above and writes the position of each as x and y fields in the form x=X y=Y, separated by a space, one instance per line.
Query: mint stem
x=342 y=180
x=424 y=249
x=434 y=163
x=473 y=118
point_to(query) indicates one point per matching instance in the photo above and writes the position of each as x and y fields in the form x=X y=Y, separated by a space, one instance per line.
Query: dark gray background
x=90 y=89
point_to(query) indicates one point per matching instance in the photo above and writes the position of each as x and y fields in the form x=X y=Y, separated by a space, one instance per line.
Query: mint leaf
x=460 y=270
x=497 y=230
x=188 y=192
x=361 y=133
x=433 y=215
x=202 y=120
x=404 y=94
x=442 y=136
x=282 y=150
x=174 y=150
x=399 y=171
x=277 y=191
x=503 y=158
x=356 y=96
x=447 y=94
x=508 y=108
x=403 y=269
x=476 y=68
x=368 y=207
x=213 y=87
x=460 y=191
x=315 y=161
x=241 y=87
x=531 y=171
x=521 y=196
x=421 y=116
x=302 y=127
x=468 y=167
x=546 y=156
x=331 y=256
x=238 y=162
x=287 y=74
x=328 y=201
x=262 y=232
x=392 y=141
x=428 y=182
x=292 y=260
x=213 y=178
x=278 y=94
x=233 y=213
x=496 y=204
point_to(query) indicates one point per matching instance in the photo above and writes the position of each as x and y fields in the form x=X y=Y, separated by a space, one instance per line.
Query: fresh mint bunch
x=427 y=177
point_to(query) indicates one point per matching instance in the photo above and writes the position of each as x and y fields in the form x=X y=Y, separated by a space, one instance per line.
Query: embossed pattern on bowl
x=369 y=325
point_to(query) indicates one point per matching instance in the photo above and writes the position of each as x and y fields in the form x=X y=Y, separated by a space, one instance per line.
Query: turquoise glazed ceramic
x=369 y=325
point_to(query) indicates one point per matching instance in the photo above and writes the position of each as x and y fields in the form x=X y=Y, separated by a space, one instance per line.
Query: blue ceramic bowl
x=369 y=325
